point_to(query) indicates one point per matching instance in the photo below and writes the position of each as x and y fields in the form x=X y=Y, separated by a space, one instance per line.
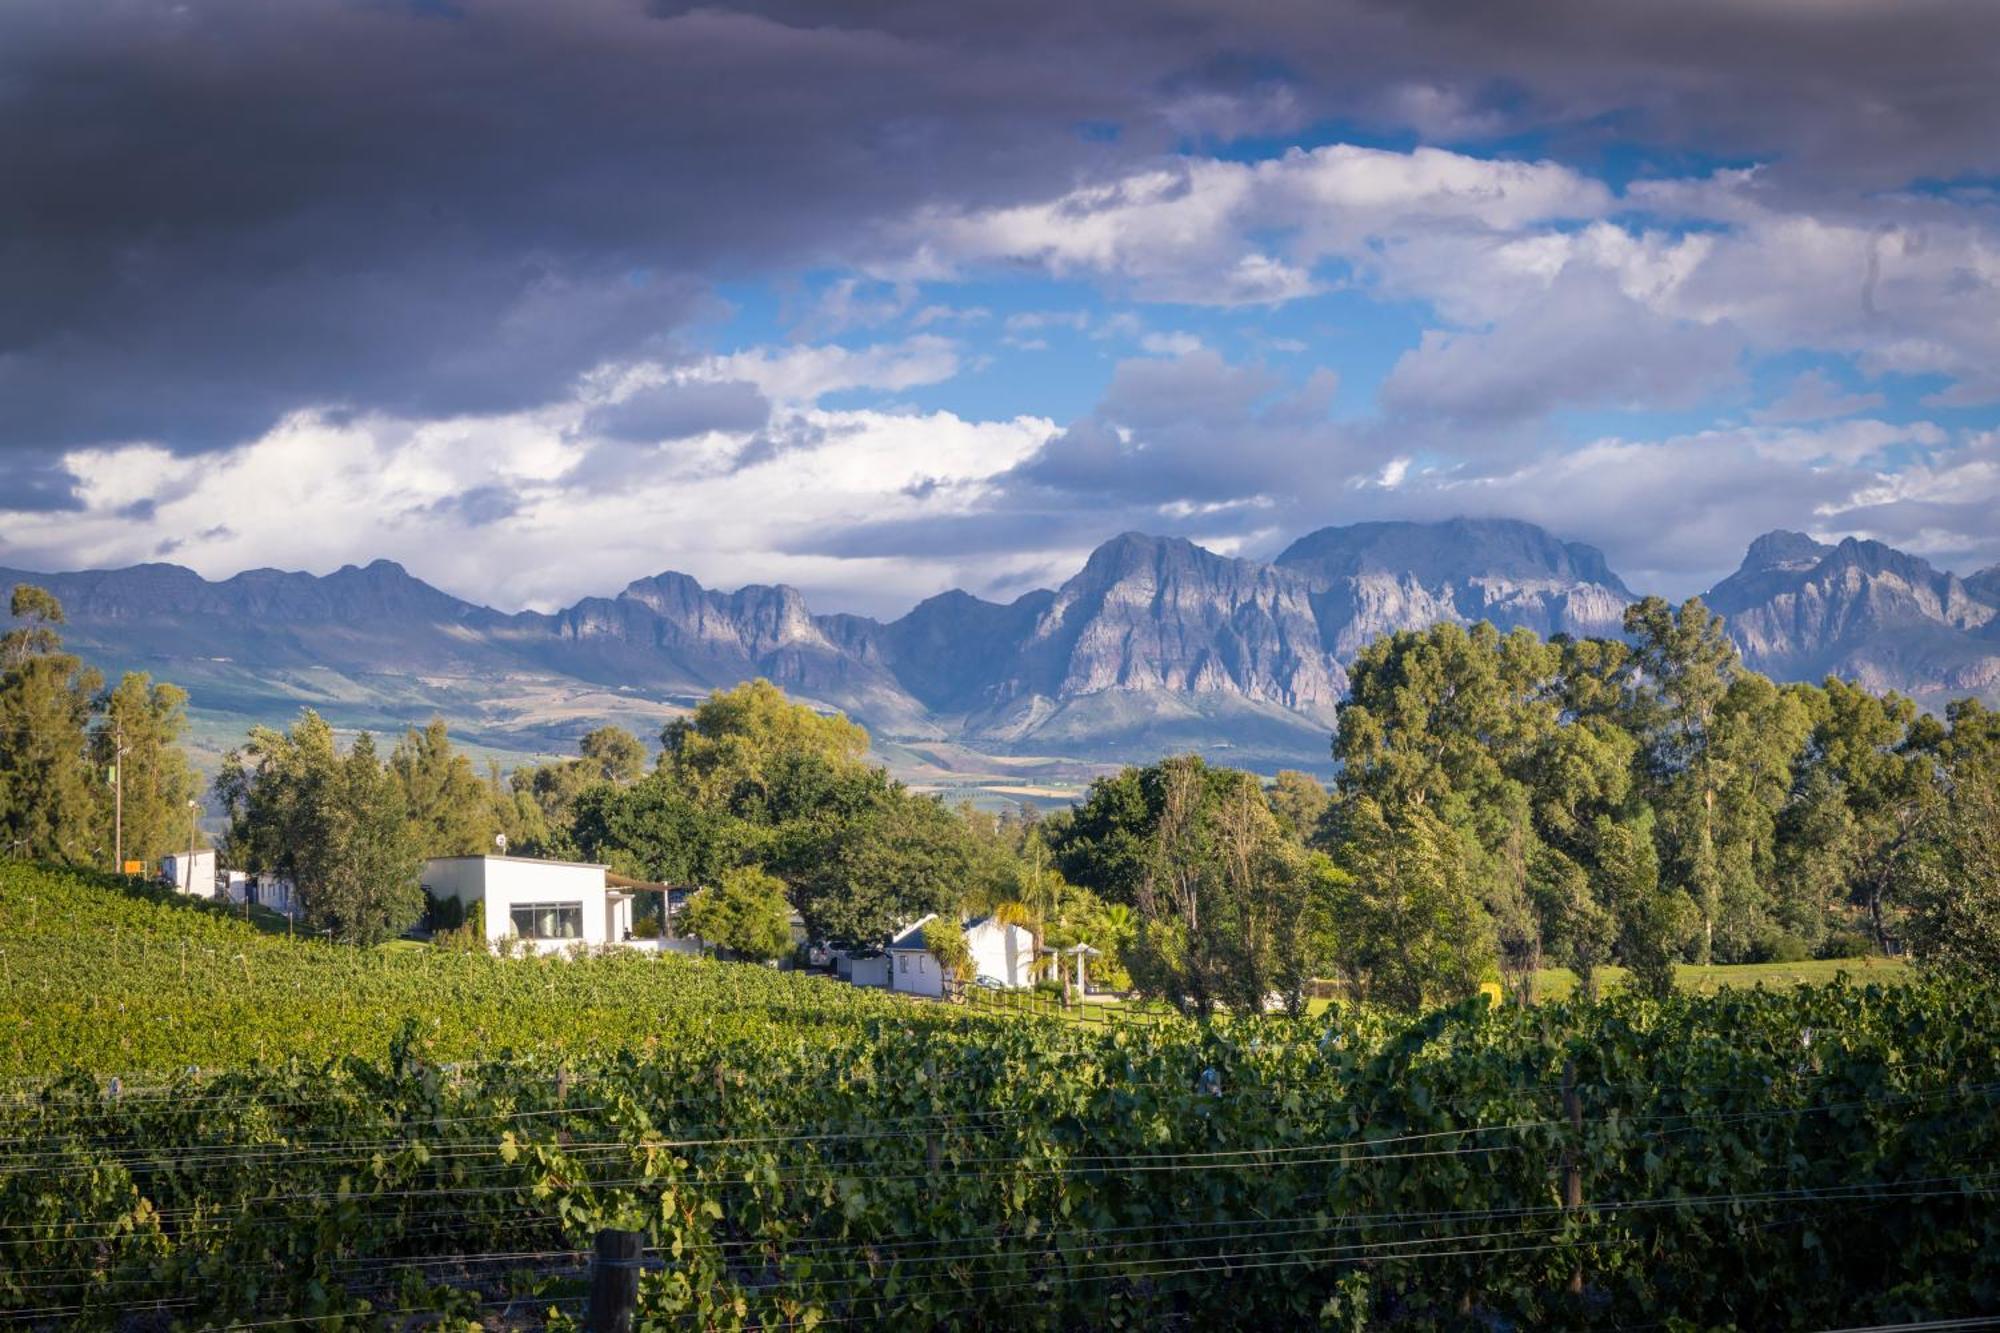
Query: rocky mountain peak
x=1780 y=549
x=1456 y=550
x=1155 y=644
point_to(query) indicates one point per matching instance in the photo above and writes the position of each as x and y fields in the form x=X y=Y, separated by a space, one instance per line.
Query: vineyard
x=212 y=1126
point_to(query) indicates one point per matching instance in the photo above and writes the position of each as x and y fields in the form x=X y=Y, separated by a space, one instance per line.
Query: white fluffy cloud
x=1548 y=289
x=1199 y=231
x=315 y=494
x=807 y=373
x=1704 y=495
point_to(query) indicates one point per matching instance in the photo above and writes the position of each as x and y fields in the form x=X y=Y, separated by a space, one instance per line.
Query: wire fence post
x=614 y=1281
x=1572 y=1162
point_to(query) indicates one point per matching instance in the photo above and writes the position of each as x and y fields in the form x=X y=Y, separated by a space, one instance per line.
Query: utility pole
x=117 y=795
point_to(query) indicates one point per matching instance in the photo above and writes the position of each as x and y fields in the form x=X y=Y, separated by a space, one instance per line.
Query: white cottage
x=912 y=968
x=1004 y=953
x=553 y=905
x=190 y=874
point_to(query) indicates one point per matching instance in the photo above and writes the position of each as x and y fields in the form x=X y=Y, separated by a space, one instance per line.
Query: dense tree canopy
x=49 y=803
x=136 y=743
x=1502 y=803
x=745 y=913
x=336 y=825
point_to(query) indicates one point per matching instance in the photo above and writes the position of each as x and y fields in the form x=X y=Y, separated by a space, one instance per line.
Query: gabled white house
x=193 y=875
x=553 y=905
x=912 y=968
x=1005 y=953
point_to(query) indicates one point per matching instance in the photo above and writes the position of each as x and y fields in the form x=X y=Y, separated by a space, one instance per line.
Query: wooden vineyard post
x=1572 y=1163
x=614 y=1281
x=933 y=1155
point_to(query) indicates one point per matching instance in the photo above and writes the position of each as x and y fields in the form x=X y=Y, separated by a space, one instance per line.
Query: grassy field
x=1556 y=982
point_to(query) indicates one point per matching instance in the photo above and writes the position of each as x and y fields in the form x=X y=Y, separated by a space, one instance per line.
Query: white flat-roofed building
x=553 y=905
x=193 y=875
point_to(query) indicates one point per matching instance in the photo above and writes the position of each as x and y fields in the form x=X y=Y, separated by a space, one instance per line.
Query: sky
x=877 y=299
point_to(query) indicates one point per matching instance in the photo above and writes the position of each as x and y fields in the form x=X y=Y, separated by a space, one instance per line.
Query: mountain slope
x=1369 y=579
x=1155 y=644
x=1158 y=643
x=1800 y=609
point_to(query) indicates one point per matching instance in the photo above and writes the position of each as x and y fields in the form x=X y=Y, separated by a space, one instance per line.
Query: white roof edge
x=523 y=860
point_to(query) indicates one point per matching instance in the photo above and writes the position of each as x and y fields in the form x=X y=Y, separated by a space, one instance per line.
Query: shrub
x=1846 y=944
x=443 y=913
x=746 y=914
x=1778 y=946
x=946 y=942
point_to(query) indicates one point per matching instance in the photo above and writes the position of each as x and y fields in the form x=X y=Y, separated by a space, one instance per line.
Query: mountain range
x=1155 y=644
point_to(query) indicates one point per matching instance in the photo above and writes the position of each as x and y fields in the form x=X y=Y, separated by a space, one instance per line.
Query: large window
x=549 y=921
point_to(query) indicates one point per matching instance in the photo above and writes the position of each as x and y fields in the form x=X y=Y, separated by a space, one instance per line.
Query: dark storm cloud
x=219 y=211
x=33 y=481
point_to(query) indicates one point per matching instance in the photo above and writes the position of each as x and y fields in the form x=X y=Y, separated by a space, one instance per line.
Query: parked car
x=989 y=983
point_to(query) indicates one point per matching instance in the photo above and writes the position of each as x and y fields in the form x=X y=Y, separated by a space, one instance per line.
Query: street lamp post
x=194 y=809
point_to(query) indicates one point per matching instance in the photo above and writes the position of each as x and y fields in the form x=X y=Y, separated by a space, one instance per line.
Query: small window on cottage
x=548 y=921
x=903 y=962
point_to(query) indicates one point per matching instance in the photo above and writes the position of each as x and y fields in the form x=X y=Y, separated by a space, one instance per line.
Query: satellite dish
x=500 y=841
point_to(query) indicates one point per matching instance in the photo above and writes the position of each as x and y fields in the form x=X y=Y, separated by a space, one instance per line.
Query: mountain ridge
x=1156 y=643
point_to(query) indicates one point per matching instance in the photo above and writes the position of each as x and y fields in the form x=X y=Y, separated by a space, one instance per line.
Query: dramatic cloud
x=839 y=291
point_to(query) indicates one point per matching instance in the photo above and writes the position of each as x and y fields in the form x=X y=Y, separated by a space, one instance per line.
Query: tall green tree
x=138 y=733
x=1681 y=668
x=49 y=802
x=1865 y=791
x=1954 y=889
x=1230 y=910
x=615 y=754
x=729 y=751
x=451 y=811
x=334 y=824
x=1412 y=926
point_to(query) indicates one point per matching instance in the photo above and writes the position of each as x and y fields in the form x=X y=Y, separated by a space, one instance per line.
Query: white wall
x=280 y=895
x=915 y=972
x=1005 y=953
x=195 y=877
x=870 y=971
x=506 y=882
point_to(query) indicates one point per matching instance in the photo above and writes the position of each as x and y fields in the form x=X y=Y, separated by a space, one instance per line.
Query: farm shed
x=193 y=875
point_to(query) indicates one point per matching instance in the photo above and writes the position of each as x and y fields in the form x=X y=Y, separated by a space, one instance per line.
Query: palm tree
x=1015 y=912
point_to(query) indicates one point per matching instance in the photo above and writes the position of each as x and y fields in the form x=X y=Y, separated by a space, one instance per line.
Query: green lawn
x=1556 y=982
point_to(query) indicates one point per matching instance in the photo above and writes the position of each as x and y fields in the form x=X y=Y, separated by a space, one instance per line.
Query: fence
x=1044 y=1004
